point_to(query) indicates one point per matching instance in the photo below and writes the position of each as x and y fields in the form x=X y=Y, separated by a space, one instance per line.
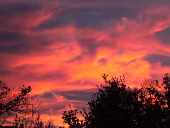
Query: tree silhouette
x=13 y=103
x=21 y=107
x=115 y=105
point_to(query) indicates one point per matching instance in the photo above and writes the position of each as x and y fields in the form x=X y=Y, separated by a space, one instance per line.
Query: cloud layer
x=61 y=48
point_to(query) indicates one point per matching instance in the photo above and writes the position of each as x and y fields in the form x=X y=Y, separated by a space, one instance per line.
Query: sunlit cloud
x=61 y=48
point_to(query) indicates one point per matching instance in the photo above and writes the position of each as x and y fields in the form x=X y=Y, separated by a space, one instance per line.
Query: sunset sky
x=62 y=47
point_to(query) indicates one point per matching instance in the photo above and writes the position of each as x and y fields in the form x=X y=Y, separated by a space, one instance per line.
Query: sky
x=62 y=47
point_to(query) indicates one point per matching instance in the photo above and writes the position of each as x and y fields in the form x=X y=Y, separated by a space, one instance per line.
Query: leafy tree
x=71 y=119
x=116 y=105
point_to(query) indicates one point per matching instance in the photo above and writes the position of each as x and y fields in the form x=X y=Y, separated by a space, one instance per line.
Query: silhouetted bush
x=33 y=121
x=116 y=105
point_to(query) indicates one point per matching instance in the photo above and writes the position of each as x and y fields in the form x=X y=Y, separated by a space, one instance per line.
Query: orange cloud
x=61 y=46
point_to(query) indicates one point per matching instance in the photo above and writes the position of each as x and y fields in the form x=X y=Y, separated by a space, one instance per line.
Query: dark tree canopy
x=116 y=105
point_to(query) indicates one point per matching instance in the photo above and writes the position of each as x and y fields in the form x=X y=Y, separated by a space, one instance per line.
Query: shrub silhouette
x=33 y=121
x=115 y=105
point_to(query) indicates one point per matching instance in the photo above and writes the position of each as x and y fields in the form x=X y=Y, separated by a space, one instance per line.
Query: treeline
x=114 y=105
x=117 y=106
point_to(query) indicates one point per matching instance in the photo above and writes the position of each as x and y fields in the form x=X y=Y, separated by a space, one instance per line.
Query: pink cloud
x=58 y=46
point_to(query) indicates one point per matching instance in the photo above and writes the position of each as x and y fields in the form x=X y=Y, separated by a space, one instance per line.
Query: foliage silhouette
x=14 y=103
x=115 y=105
x=21 y=107
x=33 y=121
